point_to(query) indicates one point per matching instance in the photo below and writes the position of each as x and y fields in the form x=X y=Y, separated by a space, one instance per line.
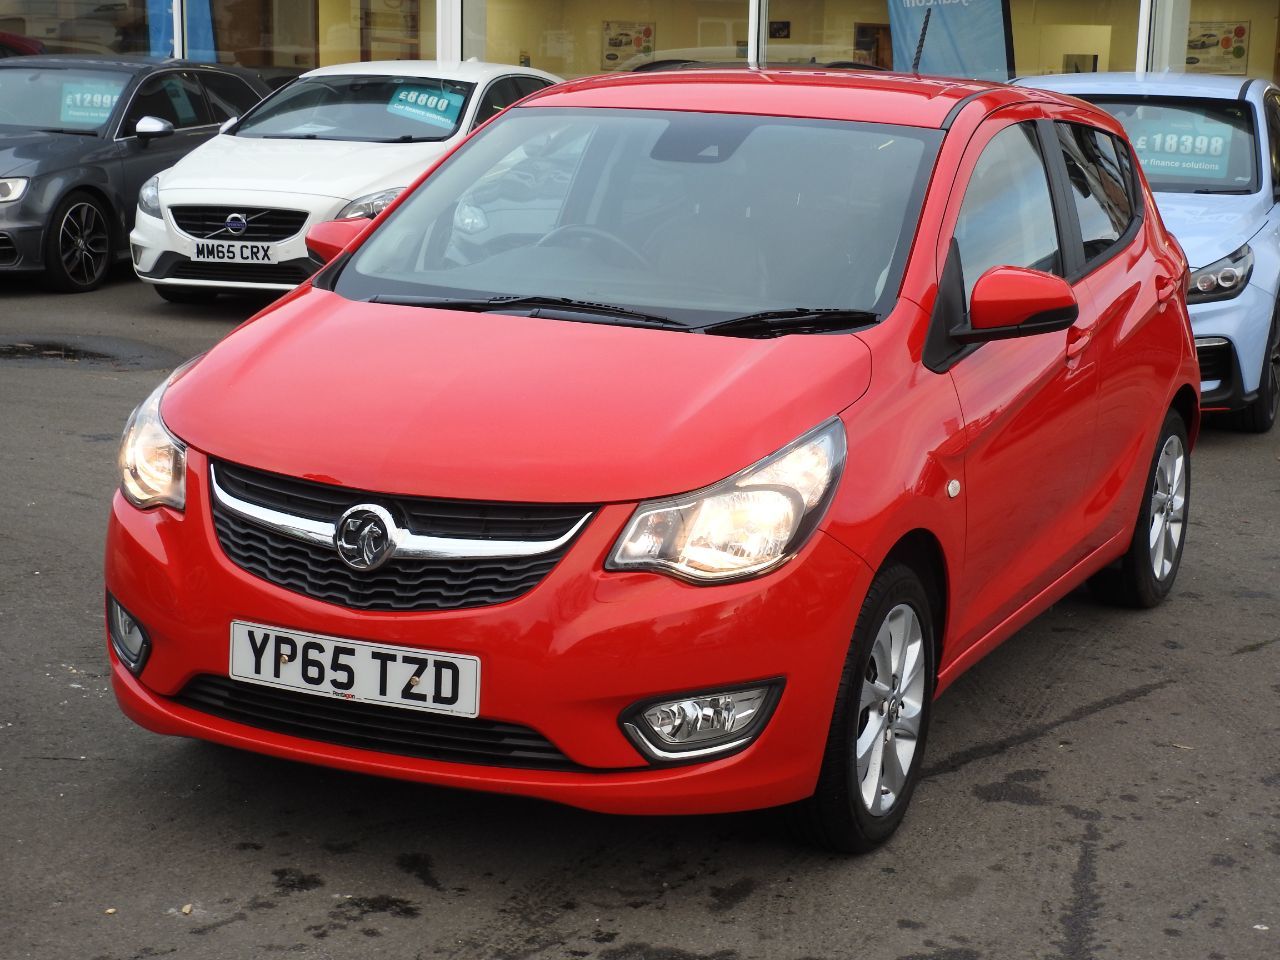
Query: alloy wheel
x=890 y=710
x=1168 y=507
x=1271 y=371
x=83 y=243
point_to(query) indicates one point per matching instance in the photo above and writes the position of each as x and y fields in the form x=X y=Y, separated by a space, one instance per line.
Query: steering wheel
x=569 y=231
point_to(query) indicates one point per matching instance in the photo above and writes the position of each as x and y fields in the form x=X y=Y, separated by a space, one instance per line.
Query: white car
x=340 y=141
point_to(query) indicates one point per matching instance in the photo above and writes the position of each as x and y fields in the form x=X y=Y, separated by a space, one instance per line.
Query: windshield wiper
x=1236 y=193
x=68 y=130
x=779 y=323
x=541 y=306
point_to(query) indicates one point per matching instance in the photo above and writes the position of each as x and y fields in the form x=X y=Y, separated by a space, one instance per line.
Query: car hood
x=329 y=168
x=1210 y=227
x=426 y=402
x=24 y=152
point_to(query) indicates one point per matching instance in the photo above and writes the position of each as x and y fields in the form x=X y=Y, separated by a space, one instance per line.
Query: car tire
x=1260 y=416
x=860 y=800
x=79 y=244
x=1146 y=572
x=177 y=294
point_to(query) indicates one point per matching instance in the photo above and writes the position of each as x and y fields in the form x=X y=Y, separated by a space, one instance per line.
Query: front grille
x=8 y=250
x=402 y=583
x=263 y=226
x=1216 y=361
x=238 y=272
x=367 y=726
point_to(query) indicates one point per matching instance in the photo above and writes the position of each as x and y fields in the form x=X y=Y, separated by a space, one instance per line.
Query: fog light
x=699 y=725
x=128 y=638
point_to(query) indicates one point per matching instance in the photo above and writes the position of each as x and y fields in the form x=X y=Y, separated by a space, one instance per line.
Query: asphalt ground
x=1104 y=785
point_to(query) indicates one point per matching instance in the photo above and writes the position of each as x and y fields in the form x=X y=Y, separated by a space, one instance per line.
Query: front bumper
x=21 y=236
x=565 y=659
x=163 y=254
x=1245 y=322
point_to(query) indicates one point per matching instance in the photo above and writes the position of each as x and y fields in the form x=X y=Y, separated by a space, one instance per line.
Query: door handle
x=1078 y=339
x=1166 y=287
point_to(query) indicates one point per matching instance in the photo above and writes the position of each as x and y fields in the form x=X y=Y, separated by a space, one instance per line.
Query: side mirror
x=150 y=128
x=329 y=238
x=228 y=124
x=1016 y=302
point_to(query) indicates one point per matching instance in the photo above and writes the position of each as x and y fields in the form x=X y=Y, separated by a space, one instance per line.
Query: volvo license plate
x=355 y=670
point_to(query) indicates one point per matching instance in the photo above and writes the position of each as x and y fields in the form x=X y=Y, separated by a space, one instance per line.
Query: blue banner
x=966 y=38
x=160 y=27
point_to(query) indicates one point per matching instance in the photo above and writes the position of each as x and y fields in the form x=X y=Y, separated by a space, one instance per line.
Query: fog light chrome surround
x=660 y=750
x=128 y=637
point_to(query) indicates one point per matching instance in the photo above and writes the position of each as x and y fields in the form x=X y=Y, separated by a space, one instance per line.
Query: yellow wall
x=1044 y=31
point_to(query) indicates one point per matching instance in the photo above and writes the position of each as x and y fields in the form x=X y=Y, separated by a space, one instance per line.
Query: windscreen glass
x=59 y=99
x=371 y=108
x=1191 y=145
x=690 y=215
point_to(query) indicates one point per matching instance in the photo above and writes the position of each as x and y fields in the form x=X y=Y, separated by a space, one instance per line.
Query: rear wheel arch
x=1187 y=406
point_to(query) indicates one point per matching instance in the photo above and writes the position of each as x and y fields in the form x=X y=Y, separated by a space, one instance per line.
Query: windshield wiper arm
x=69 y=130
x=554 y=305
x=779 y=323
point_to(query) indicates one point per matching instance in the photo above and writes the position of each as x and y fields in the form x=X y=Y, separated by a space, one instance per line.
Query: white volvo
x=340 y=141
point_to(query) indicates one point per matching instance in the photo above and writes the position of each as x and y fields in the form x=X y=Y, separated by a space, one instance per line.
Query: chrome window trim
x=409 y=545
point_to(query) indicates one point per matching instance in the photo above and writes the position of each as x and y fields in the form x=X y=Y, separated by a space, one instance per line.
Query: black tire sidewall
x=55 y=273
x=1144 y=588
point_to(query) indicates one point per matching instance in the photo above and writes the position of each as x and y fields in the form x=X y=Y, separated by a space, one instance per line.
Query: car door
x=1029 y=403
x=1130 y=283
x=175 y=96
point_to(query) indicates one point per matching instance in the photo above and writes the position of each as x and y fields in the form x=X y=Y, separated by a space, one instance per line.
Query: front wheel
x=876 y=742
x=78 y=246
x=1260 y=416
x=1149 y=567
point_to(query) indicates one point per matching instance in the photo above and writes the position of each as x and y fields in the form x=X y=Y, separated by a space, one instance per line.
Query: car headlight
x=12 y=189
x=153 y=462
x=149 y=197
x=371 y=205
x=743 y=526
x=1222 y=280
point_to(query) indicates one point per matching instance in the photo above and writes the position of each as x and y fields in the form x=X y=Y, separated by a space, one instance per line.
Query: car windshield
x=380 y=109
x=53 y=98
x=695 y=217
x=1190 y=145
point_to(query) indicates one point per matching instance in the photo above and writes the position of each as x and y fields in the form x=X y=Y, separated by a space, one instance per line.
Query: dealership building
x=576 y=38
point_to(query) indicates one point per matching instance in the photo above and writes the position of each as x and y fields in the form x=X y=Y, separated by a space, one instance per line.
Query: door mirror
x=149 y=128
x=1016 y=302
x=228 y=124
x=328 y=239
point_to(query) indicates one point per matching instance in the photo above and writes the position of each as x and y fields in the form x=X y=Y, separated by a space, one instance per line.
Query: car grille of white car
x=254 y=224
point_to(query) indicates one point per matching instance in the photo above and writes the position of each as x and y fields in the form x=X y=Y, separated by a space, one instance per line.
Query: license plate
x=222 y=251
x=355 y=670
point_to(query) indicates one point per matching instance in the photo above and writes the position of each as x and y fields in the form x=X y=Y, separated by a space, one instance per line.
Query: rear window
x=369 y=108
x=1190 y=145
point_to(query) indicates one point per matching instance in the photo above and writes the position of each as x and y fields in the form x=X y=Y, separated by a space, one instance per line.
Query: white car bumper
x=270 y=253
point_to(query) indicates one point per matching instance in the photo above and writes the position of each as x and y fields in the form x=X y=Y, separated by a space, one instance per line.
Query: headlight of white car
x=149 y=197
x=1222 y=280
x=153 y=462
x=12 y=189
x=743 y=526
x=370 y=206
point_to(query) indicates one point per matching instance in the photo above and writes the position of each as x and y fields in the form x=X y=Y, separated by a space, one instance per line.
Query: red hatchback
x=669 y=448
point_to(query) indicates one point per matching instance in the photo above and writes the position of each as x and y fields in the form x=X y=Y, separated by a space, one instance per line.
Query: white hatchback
x=340 y=141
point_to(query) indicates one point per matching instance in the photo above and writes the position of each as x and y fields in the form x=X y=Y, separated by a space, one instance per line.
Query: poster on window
x=626 y=44
x=1216 y=46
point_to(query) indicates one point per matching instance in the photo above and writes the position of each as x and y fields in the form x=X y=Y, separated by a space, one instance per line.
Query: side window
x=1007 y=217
x=528 y=85
x=1099 y=187
x=228 y=96
x=1273 y=136
x=171 y=96
x=500 y=95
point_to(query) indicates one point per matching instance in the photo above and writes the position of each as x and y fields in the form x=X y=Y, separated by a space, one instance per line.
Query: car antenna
x=924 y=28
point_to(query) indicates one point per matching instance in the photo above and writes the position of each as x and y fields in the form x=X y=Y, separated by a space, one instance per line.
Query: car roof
x=1166 y=84
x=468 y=71
x=123 y=63
x=830 y=94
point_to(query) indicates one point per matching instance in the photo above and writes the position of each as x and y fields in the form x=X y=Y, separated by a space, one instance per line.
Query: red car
x=669 y=448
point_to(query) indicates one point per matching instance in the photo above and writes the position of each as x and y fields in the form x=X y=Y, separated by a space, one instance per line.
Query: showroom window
x=576 y=38
x=91 y=27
